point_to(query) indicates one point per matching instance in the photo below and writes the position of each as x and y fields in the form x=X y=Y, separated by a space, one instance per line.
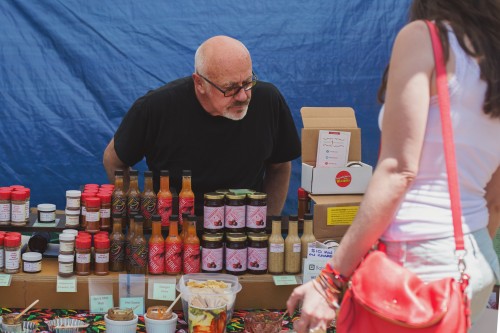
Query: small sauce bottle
x=139 y=248
x=276 y=263
x=117 y=245
x=156 y=261
x=18 y=206
x=191 y=248
x=308 y=236
x=5 y=207
x=164 y=198
x=128 y=243
x=186 y=196
x=133 y=195
x=173 y=248
x=119 y=198
x=92 y=216
x=12 y=250
x=292 y=247
x=148 y=200
x=105 y=211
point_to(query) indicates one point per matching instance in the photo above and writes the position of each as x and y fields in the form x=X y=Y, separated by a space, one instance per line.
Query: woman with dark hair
x=407 y=205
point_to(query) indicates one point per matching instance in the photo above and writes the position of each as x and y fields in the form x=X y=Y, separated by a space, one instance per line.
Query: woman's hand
x=316 y=312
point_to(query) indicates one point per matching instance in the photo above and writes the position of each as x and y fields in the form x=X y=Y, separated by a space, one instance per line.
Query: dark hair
x=479 y=21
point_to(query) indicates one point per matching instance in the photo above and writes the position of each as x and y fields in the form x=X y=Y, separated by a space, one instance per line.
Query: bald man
x=229 y=129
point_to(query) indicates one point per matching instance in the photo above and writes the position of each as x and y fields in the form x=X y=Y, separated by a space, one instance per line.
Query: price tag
x=134 y=303
x=5 y=280
x=285 y=280
x=164 y=291
x=100 y=303
x=66 y=285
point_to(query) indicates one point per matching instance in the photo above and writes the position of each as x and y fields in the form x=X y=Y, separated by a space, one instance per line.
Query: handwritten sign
x=134 y=303
x=333 y=149
x=66 y=285
x=164 y=291
x=314 y=252
x=100 y=303
x=284 y=280
x=5 y=280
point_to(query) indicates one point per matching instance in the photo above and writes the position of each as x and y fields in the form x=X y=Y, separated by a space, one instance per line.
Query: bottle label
x=18 y=213
x=72 y=202
x=27 y=209
x=173 y=257
x=186 y=205
x=12 y=259
x=213 y=217
x=235 y=217
x=236 y=260
x=1 y=258
x=279 y=248
x=117 y=251
x=211 y=259
x=72 y=220
x=105 y=213
x=257 y=258
x=92 y=216
x=148 y=207
x=191 y=258
x=296 y=247
x=133 y=206
x=156 y=258
x=65 y=267
x=164 y=206
x=83 y=258
x=102 y=258
x=47 y=216
x=139 y=255
x=4 y=212
x=256 y=217
x=66 y=246
x=32 y=266
x=118 y=205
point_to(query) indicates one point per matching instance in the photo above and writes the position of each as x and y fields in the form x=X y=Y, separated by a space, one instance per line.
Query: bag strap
x=446 y=126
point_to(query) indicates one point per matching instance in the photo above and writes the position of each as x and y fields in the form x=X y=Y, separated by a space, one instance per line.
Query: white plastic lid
x=70 y=232
x=32 y=256
x=65 y=257
x=67 y=237
x=73 y=193
x=46 y=207
x=72 y=212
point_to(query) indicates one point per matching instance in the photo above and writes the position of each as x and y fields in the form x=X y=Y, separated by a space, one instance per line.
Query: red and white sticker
x=343 y=178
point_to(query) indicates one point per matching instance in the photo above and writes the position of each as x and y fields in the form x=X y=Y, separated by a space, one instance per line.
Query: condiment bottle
x=303 y=203
x=128 y=243
x=18 y=206
x=138 y=248
x=173 y=248
x=119 y=198
x=101 y=249
x=66 y=244
x=276 y=264
x=156 y=261
x=92 y=215
x=27 y=191
x=12 y=250
x=2 y=237
x=117 y=245
x=164 y=198
x=308 y=236
x=186 y=196
x=133 y=195
x=5 y=207
x=191 y=248
x=148 y=199
x=184 y=227
x=105 y=211
x=292 y=247
x=66 y=265
x=82 y=256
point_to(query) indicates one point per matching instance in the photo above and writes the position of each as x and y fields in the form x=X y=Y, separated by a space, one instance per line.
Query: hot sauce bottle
x=191 y=253
x=119 y=199
x=133 y=195
x=148 y=199
x=117 y=247
x=156 y=261
x=128 y=243
x=164 y=198
x=186 y=196
x=173 y=248
x=138 y=248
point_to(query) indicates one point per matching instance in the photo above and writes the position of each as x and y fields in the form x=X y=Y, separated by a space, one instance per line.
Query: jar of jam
x=211 y=253
x=213 y=212
x=235 y=213
x=236 y=253
x=257 y=253
x=256 y=212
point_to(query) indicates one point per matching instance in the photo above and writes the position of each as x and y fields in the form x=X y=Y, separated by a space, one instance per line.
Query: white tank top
x=425 y=211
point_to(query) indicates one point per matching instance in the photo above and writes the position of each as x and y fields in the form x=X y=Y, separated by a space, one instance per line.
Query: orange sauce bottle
x=164 y=198
x=156 y=259
x=191 y=247
x=173 y=248
x=186 y=196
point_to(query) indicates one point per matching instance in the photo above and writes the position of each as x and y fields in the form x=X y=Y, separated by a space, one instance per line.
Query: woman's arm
x=493 y=200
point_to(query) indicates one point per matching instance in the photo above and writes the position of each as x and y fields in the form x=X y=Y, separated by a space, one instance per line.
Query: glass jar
x=105 y=211
x=257 y=253
x=256 y=212
x=92 y=217
x=73 y=198
x=65 y=265
x=236 y=254
x=101 y=249
x=211 y=253
x=5 y=207
x=18 y=208
x=46 y=213
x=82 y=246
x=2 y=237
x=12 y=250
x=32 y=262
x=72 y=218
x=66 y=244
x=235 y=213
x=213 y=212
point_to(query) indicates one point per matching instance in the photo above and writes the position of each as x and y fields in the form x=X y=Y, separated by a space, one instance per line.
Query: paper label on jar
x=102 y=258
x=18 y=213
x=213 y=217
x=27 y=209
x=277 y=248
x=72 y=220
x=73 y=202
x=83 y=258
x=256 y=217
x=12 y=259
x=164 y=208
x=32 y=266
x=65 y=267
x=211 y=259
x=66 y=247
x=4 y=212
x=257 y=258
x=1 y=258
x=296 y=247
x=92 y=216
x=105 y=213
x=191 y=256
x=235 y=217
x=47 y=216
x=236 y=260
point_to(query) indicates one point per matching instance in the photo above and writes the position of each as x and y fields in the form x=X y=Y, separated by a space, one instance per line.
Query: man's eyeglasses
x=231 y=91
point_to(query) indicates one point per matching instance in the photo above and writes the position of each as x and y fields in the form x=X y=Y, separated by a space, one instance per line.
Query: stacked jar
x=5 y=194
x=66 y=254
x=2 y=256
x=73 y=208
x=12 y=252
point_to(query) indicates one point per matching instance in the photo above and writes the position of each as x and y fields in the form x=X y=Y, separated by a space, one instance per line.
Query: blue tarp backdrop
x=70 y=69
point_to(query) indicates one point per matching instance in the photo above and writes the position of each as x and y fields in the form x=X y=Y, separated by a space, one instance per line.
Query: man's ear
x=198 y=83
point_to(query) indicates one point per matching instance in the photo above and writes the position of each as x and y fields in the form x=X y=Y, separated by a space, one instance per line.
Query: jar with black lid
x=257 y=253
x=256 y=212
x=213 y=212
x=211 y=253
x=236 y=253
x=235 y=213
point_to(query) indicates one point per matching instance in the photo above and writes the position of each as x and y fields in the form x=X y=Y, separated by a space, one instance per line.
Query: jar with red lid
x=18 y=208
x=105 y=211
x=12 y=250
x=2 y=236
x=83 y=212
x=5 y=207
x=101 y=249
x=82 y=256
x=27 y=204
x=92 y=216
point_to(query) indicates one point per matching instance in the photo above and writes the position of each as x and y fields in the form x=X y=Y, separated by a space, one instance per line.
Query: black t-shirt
x=170 y=128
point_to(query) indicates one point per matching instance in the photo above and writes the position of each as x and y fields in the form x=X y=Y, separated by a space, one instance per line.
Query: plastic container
x=228 y=295
x=46 y=213
x=61 y=322
x=161 y=326
x=118 y=326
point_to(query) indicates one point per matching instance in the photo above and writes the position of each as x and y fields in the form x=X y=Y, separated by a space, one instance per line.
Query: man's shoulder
x=176 y=86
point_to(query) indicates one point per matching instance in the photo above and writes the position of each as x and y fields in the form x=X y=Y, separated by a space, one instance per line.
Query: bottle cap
x=133 y=173
x=18 y=195
x=174 y=217
x=46 y=207
x=12 y=241
x=66 y=237
x=119 y=172
x=104 y=196
x=93 y=202
x=186 y=173
x=5 y=195
x=164 y=173
x=82 y=242
x=32 y=256
x=73 y=193
x=301 y=193
x=156 y=217
x=101 y=243
x=148 y=173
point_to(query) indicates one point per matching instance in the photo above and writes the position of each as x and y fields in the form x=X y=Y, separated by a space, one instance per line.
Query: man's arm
x=276 y=183
x=493 y=201
x=112 y=162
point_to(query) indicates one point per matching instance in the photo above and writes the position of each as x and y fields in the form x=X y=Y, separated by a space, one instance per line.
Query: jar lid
x=212 y=237
x=66 y=257
x=258 y=236
x=70 y=232
x=257 y=195
x=214 y=196
x=4 y=195
x=73 y=193
x=101 y=243
x=66 y=237
x=12 y=241
x=32 y=256
x=104 y=196
x=222 y=191
x=72 y=211
x=46 y=207
x=82 y=242
x=26 y=190
x=18 y=195
x=236 y=237
x=83 y=234
x=91 y=186
x=234 y=196
x=93 y=202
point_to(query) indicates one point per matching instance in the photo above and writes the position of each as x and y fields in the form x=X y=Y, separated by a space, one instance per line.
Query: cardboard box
x=333 y=215
x=347 y=180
